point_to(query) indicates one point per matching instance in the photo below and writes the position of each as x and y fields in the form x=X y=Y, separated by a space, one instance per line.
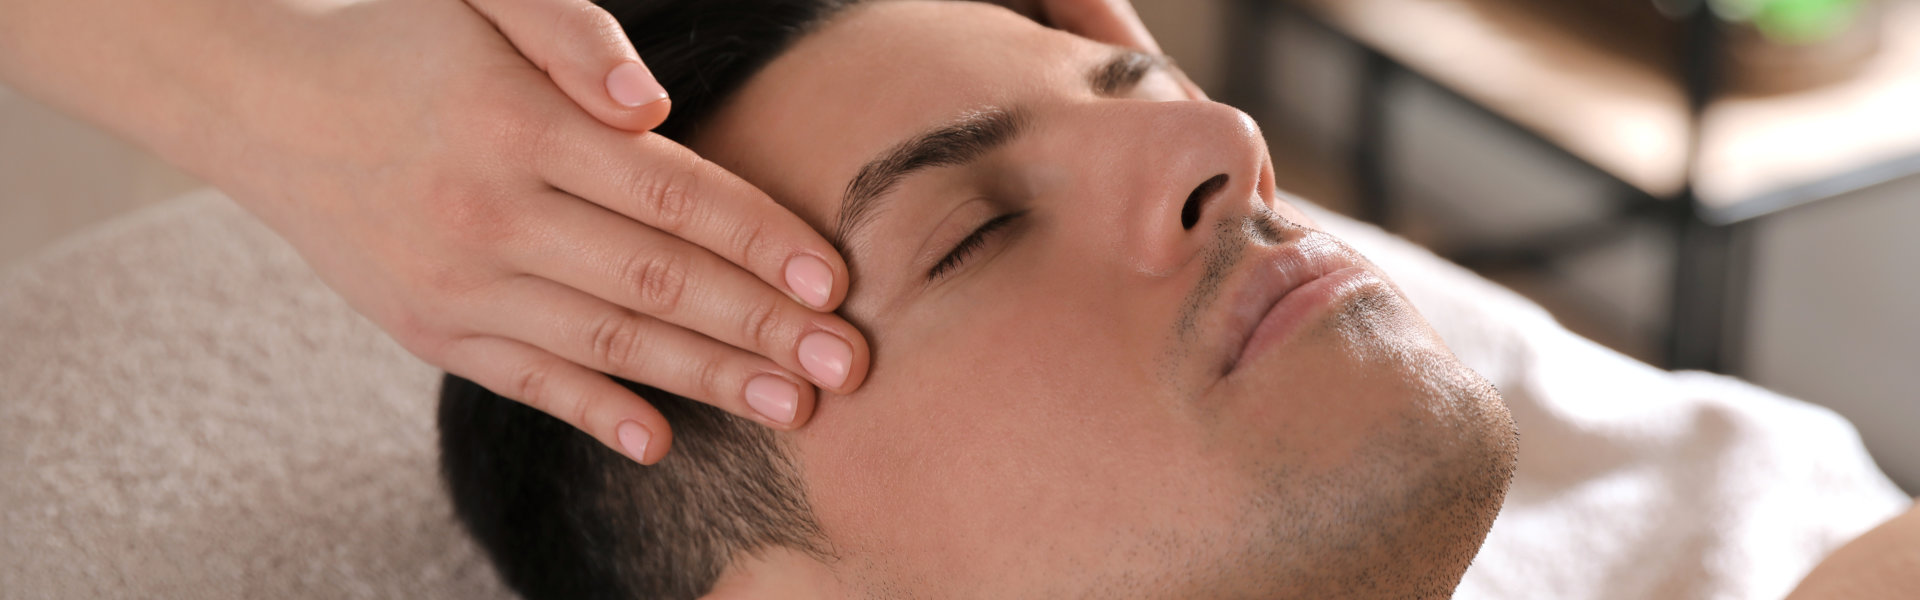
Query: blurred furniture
x=1677 y=113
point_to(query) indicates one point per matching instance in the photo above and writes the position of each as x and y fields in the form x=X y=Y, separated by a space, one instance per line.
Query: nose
x=1197 y=201
x=1176 y=171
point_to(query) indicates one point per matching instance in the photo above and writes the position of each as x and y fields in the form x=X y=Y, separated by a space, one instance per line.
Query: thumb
x=1110 y=21
x=586 y=52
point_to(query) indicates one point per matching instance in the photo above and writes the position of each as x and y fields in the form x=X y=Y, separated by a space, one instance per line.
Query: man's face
x=1062 y=407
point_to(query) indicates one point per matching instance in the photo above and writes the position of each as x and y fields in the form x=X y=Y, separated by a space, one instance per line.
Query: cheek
x=1001 y=434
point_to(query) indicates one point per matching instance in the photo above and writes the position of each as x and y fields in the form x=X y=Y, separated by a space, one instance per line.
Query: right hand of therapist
x=452 y=193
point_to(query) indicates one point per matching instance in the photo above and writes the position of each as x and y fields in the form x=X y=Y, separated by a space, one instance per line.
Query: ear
x=776 y=574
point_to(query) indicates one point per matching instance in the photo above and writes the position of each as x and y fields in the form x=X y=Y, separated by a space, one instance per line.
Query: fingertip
x=812 y=281
x=794 y=412
x=1140 y=38
x=1109 y=21
x=776 y=399
x=837 y=359
x=631 y=85
x=803 y=411
x=640 y=103
x=634 y=440
x=842 y=281
x=643 y=443
x=862 y=359
x=649 y=116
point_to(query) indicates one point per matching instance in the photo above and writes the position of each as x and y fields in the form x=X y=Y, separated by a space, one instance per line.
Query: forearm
x=167 y=75
x=1884 y=563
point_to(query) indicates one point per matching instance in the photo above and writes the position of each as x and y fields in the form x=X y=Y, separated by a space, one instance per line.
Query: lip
x=1286 y=289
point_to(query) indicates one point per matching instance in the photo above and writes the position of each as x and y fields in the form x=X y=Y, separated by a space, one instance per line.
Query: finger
x=587 y=54
x=1029 y=8
x=604 y=337
x=1109 y=21
x=664 y=185
x=586 y=400
x=596 y=251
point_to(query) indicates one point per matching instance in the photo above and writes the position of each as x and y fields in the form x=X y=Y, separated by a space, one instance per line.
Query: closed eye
x=970 y=245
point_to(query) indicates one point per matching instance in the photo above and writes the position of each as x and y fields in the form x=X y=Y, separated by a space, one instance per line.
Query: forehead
x=876 y=75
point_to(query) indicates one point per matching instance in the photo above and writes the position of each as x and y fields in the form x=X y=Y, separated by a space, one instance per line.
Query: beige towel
x=186 y=412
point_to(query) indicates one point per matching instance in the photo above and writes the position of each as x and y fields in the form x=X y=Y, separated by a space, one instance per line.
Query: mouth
x=1286 y=290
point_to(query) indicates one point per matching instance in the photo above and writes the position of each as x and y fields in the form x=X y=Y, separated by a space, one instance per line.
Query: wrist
x=169 y=76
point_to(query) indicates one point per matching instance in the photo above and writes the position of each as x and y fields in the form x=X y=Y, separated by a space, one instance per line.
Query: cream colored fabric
x=185 y=411
x=1636 y=482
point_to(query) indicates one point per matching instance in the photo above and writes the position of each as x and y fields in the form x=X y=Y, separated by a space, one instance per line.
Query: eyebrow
x=964 y=140
x=1123 y=70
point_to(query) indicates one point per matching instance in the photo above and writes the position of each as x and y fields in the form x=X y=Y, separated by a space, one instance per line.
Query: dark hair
x=563 y=516
x=702 y=51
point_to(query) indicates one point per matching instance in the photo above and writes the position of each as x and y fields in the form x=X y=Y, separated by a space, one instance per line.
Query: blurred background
x=1731 y=186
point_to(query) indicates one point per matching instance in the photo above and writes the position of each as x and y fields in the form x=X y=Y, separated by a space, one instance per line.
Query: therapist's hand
x=566 y=249
x=1110 y=21
x=589 y=58
x=452 y=193
x=420 y=156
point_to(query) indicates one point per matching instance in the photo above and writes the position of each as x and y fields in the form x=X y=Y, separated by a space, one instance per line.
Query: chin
x=1405 y=468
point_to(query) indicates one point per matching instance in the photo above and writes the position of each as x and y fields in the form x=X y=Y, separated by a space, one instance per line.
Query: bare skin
x=1078 y=407
x=476 y=178
x=1883 y=564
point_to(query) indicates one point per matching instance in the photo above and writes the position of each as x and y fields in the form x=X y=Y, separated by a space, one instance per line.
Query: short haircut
x=560 y=514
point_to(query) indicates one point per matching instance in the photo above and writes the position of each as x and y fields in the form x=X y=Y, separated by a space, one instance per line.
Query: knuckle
x=530 y=384
x=667 y=197
x=658 y=279
x=448 y=278
x=573 y=409
x=754 y=243
x=709 y=377
x=491 y=110
x=617 y=340
x=466 y=214
x=444 y=279
x=761 y=324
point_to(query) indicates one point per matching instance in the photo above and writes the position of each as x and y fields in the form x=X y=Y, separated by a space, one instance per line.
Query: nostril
x=1196 y=202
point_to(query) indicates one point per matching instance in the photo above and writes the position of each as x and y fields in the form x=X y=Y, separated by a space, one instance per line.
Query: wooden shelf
x=1629 y=118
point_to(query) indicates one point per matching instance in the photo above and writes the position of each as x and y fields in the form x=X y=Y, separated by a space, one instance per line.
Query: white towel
x=1636 y=482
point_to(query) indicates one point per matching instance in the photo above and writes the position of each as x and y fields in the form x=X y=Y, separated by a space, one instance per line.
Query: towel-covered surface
x=1635 y=482
x=185 y=411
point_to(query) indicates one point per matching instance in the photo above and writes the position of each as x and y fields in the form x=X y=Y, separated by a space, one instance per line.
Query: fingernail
x=773 y=397
x=810 y=279
x=826 y=357
x=634 y=438
x=632 y=85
